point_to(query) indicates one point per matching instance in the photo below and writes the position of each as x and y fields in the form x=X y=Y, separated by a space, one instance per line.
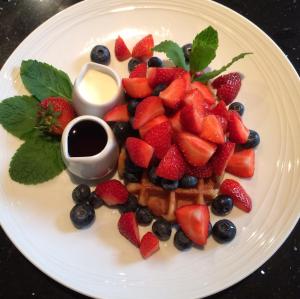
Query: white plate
x=100 y=263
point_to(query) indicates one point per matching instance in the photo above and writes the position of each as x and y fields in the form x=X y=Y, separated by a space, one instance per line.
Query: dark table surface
x=277 y=278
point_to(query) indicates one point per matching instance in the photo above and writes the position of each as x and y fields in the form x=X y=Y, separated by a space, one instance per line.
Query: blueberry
x=181 y=241
x=158 y=88
x=222 y=205
x=155 y=62
x=95 y=200
x=130 y=205
x=131 y=106
x=100 y=54
x=162 y=229
x=130 y=177
x=122 y=130
x=209 y=229
x=154 y=179
x=224 y=231
x=188 y=181
x=143 y=216
x=82 y=215
x=131 y=167
x=187 y=51
x=238 y=107
x=132 y=63
x=253 y=140
x=81 y=193
x=169 y=185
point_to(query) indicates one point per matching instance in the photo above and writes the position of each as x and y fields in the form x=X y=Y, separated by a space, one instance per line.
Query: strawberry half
x=118 y=113
x=220 y=110
x=146 y=110
x=194 y=221
x=200 y=172
x=193 y=97
x=238 y=133
x=152 y=123
x=172 y=166
x=174 y=93
x=139 y=151
x=242 y=163
x=137 y=87
x=112 y=192
x=121 y=51
x=205 y=91
x=149 y=245
x=54 y=115
x=238 y=194
x=223 y=122
x=139 y=71
x=192 y=118
x=212 y=130
x=221 y=157
x=128 y=228
x=161 y=75
x=176 y=123
x=160 y=138
x=143 y=48
x=196 y=150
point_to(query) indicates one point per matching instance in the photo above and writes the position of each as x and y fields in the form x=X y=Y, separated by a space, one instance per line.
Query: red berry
x=149 y=245
x=238 y=133
x=121 y=51
x=212 y=130
x=200 y=172
x=161 y=75
x=137 y=87
x=226 y=79
x=139 y=71
x=152 y=123
x=192 y=118
x=118 y=113
x=205 y=91
x=143 y=48
x=128 y=228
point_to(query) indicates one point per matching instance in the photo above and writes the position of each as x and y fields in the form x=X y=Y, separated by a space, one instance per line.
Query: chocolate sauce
x=86 y=138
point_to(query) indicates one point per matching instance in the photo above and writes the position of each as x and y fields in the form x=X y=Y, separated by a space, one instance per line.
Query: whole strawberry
x=54 y=114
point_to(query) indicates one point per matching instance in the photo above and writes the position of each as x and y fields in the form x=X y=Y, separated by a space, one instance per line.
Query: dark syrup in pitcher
x=86 y=138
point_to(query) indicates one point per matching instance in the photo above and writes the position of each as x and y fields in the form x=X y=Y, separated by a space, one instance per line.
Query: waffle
x=163 y=203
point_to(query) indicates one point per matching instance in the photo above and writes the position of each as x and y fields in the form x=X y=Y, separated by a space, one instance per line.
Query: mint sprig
x=43 y=80
x=36 y=161
x=210 y=75
x=18 y=116
x=173 y=52
x=204 y=49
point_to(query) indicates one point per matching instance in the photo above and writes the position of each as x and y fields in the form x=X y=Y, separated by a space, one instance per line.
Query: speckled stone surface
x=278 y=278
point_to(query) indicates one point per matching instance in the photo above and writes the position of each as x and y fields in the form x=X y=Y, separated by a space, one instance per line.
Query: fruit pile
x=177 y=131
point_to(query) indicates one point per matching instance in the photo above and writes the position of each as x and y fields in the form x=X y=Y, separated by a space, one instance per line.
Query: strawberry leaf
x=204 y=49
x=173 y=52
x=37 y=160
x=18 y=115
x=210 y=75
x=43 y=80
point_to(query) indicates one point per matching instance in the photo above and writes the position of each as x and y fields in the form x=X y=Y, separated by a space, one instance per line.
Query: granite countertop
x=277 y=278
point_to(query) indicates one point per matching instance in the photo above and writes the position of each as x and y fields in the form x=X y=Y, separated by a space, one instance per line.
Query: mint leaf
x=204 y=49
x=173 y=52
x=36 y=161
x=18 y=115
x=43 y=80
x=209 y=75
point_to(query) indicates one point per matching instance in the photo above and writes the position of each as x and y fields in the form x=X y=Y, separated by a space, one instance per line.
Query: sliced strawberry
x=220 y=110
x=186 y=76
x=196 y=150
x=160 y=138
x=149 y=245
x=139 y=151
x=212 y=130
x=224 y=123
x=242 y=163
x=128 y=228
x=194 y=221
x=221 y=157
x=139 y=71
x=161 y=75
x=238 y=133
x=143 y=48
x=192 y=118
x=152 y=123
x=118 y=113
x=121 y=51
x=238 y=194
x=225 y=79
x=146 y=110
x=200 y=172
x=176 y=123
x=112 y=192
x=174 y=93
x=205 y=91
x=137 y=87
x=172 y=166
x=193 y=97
